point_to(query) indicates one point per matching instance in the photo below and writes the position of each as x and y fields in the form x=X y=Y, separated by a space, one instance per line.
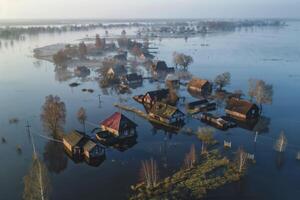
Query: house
x=166 y=113
x=200 y=85
x=122 y=57
x=74 y=141
x=161 y=66
x=133 y=78
x=241 y=109
x=202 y=105
x=82 y=71
x=79 y=144
x=156 y=95
x=92 y=150
x=119 y=126
x=116 y=71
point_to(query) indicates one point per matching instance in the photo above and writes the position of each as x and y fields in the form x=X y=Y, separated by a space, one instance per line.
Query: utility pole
x=99 y=99
x=31 y=138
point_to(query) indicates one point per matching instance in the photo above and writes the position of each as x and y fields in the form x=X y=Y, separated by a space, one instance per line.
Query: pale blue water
x=24 y=83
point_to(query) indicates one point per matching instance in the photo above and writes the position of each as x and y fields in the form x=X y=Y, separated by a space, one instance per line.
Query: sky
x=118 y=9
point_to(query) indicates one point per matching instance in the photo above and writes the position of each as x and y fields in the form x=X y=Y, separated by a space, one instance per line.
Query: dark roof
x=239 y=105
x=74 y=137
x=133 y=77
x=164 y=110
x=118 y=121
x=121 y=56
x=161 y=66
x=197 y=103
x=159 y=94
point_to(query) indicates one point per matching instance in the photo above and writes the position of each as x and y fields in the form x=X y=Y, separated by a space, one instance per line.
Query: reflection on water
x=54 y=157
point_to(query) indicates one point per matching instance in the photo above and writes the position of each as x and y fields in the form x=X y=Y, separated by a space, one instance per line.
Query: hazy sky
x=147 y=8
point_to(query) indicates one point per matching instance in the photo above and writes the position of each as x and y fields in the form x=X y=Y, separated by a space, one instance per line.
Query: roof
x=164 y=110
x=197 y=103
x=159 y=94
x=199 y=83
x=133 y=77
x=89 y=145
x=74 y=137
x=239 y=105
x=161 y=65
x=118 y=121
x=172 y=77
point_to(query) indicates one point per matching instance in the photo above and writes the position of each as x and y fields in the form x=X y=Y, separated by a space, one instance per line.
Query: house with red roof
x=119 y=125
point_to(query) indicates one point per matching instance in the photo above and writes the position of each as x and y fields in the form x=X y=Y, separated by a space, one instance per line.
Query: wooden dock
x=146 y=116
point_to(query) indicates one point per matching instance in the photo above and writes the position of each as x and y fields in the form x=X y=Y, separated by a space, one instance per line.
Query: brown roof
x=239 y=105
x=199 y=83
x=117 y=122
x=164 y=110
x=74 y=137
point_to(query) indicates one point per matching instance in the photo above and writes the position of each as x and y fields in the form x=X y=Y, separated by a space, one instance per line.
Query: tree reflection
x=62 y=74
x=54 y=157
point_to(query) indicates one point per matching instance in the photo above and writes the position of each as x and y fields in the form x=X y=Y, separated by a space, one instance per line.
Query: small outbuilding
x=161 y=66
x=92 y=150
x=166 y=113
x=200 y=85
x=172 y=81
x=119 y=125
x=132 y=79
x=241 y=109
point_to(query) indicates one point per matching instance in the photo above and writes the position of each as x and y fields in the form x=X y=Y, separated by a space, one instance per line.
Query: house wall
x=67 y=145
x=236 y=114
x=116 y=133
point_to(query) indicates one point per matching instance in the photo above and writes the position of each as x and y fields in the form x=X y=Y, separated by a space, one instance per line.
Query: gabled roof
x=89 y=145
x=159 y=94
x=164 y=110
x=117 y=122
x=161 y=65
x=239 y=105
x=198 y=83
x=74 y=137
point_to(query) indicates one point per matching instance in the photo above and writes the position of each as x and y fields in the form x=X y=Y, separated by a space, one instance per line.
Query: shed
x=92 y=150
x=166 y=113
x=119 y=125
x=241 y=109
x=133 y=78
x=161 y=66
x=74 y=142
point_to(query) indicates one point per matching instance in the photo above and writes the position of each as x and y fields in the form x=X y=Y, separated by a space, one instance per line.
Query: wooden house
x=116 y=71
x=161 y=66
x=172 y=81
x=156 y=95
x=200 y=85
x=166 y=113
x=241 y=109
x=119 y=126
x=73 y=142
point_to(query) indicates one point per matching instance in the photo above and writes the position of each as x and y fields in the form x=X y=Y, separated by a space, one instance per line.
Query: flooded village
x=151 y=109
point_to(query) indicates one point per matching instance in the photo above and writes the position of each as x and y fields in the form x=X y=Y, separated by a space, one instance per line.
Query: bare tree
x=36 y=182
x=206 y=136
x=190 y=158
x=81 y=116
x=222 y=80
x=149 y=173
x=281 y=142
x=182 y=59
x=241 y=159
x=53 y=115
x=261 y=91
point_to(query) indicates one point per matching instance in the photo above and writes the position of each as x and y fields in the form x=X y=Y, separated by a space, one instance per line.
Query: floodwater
x=270 y=54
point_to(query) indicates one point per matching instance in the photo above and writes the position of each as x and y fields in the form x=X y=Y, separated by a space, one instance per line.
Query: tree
x=60 y=57
x=182 y=59
x=82 y=49
x=123 y=33
x=81 y=116
x=36 y=182
x=149 y=173
x=98 y=42
x=241 y=160
x=206 y=136
x=190 y=158
x=53 y=115
x=222 y=80
x=261 y=91
x=54 y=157
x=281 y=142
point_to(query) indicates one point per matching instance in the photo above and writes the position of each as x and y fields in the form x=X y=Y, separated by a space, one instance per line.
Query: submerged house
x=154 y=96
x=241 y=109
x=166 y=113
x=79 y=144
x=172 y=81
x=116 y=71
x=200 y=85
x=82 y=71
x=122 y=57
x=119 y=126
x=133 y=79
x=161 y=67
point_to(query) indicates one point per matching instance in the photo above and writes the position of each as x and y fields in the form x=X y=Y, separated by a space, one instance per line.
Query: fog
x=116 y=9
